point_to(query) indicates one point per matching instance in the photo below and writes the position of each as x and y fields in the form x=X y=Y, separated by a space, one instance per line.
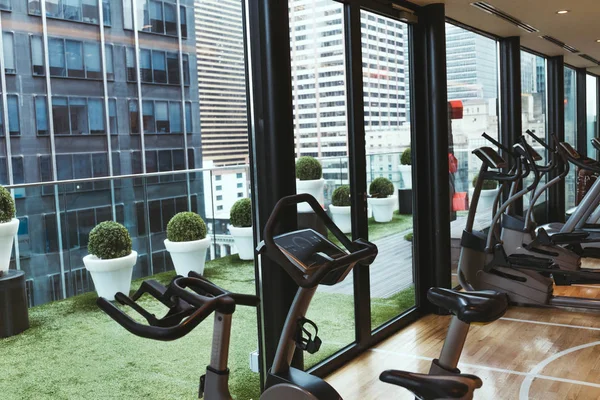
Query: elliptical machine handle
x=540 y=141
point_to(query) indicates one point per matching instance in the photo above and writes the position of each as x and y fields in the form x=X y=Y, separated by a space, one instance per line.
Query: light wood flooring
x=530 y=353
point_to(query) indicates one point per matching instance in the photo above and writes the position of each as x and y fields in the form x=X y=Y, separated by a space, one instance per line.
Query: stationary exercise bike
x=310 y=259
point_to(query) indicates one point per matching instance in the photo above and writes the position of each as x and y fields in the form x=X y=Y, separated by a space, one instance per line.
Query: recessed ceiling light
x=597 y=40
x=562 y=11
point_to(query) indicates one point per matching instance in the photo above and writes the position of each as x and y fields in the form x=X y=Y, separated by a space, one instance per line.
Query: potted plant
x=309 y=179
x=240 y=217
x=187 y=242
x=340 y=208
x=409 y=238
x=9 y=226
x=406 y=169
x=381 y=201
x=110 y=259
x=489 y=190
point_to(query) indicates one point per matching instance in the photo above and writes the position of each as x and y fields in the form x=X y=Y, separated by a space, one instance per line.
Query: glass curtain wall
x=386 y=63
x=570 y=132
x=534 y=106
x=472 y=73
x=592 y=113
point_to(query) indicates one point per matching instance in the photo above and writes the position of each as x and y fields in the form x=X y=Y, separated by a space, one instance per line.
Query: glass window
x=173 y=68
x=183 y=16
x=188 y=118
x=159 y=67
x=110 y=73
x=127 y=14
x=82 y=166
x=106 y=12
x=162 y=117
x=175 y=117
x=74 y=59
x=170 y=19
x=148 y=114
x=570 y=131
x=79 y=115
x=9 y=53
x=186 y=70
x=89 y=10
x=71 y=10
x=33 y=6
x=99 y=164
x=13 y=115
x=60 y=115
x=53 y=9
x=133 y=116
x=92 y=60
x=156 y=17
x=41 y=116
x=238 y=176
x=37 y=56
x=112 y=116
x=5 y=5
x=130 y=56
x=146 y=65
x=56 y=47
x=592 y=112
x=96 y=115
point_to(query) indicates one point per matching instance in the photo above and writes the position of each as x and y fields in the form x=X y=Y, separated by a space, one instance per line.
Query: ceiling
x=580 y=28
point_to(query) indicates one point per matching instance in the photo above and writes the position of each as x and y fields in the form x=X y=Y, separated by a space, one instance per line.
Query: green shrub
x=186 y=226
x=109 y=240
x=241 y=213
x=341 y=196
x=408 y=237
x=406 y=157
x=308 y=169
x=381 y=188
x=487 y=184
x=7 y=205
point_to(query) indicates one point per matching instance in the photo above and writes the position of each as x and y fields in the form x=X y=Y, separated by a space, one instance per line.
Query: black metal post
x=556 y=125
x=581 y=112
x=510 y=99
x=430 y=144
x=272 y=158
x=357 y=166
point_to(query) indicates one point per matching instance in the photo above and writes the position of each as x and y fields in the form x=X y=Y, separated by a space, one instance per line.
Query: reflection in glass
x=570 y=131
x=592 y=113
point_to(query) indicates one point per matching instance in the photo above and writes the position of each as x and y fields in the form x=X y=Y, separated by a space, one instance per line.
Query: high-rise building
x=89 y=97
x=222 y=81
x=471 y=65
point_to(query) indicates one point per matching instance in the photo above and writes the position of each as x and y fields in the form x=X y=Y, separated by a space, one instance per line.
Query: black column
x=581 y=104
x=556 y=125
x=510 y=99
x=430 y=124
x=271 y=156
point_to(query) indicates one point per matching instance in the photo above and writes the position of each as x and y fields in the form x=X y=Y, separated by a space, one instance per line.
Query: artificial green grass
x=379 y=230
x=75 y=351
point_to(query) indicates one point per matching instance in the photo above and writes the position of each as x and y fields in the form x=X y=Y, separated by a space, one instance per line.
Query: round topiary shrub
x=408 y=237
x=7 y=205
x=186 y=226
x=241 y=213
x=405 y=159
x=308 y=169
x=487 y=184
x=341 y=196
x=109 y=240
x=381 y=188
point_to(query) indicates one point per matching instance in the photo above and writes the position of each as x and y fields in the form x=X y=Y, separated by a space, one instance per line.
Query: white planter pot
x=188 y=256
x=244 y=241
x=111 y=276
x=342 y=217
x=486 y=198
x=315 y=188
x=8 y=230
x=383 y=209
x=406 y=171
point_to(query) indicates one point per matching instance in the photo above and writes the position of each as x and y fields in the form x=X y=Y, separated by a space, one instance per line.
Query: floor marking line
x=527 y=375
x=527 y=321
x=526 y=385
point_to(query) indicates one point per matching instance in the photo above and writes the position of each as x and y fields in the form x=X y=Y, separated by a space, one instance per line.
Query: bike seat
x=432 y=387
x=469 y=307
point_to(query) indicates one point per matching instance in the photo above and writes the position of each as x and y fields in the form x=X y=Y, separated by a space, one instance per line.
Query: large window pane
x=146 y=65
x=93 y=65
x=37 y=55
x=96 y=115
x=79 y=115
x=74 y=59
x=570 y=131
x=159 y=67
x=9 y=53
x=472 y=72
x=56 y=47
x=89 y=10
x=60 y=114
x=592 y=113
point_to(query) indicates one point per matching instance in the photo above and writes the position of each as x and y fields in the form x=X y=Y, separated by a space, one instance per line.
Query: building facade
x=88 y=96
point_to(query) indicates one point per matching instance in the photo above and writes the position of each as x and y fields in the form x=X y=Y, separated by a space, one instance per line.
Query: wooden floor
x=530 y=353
